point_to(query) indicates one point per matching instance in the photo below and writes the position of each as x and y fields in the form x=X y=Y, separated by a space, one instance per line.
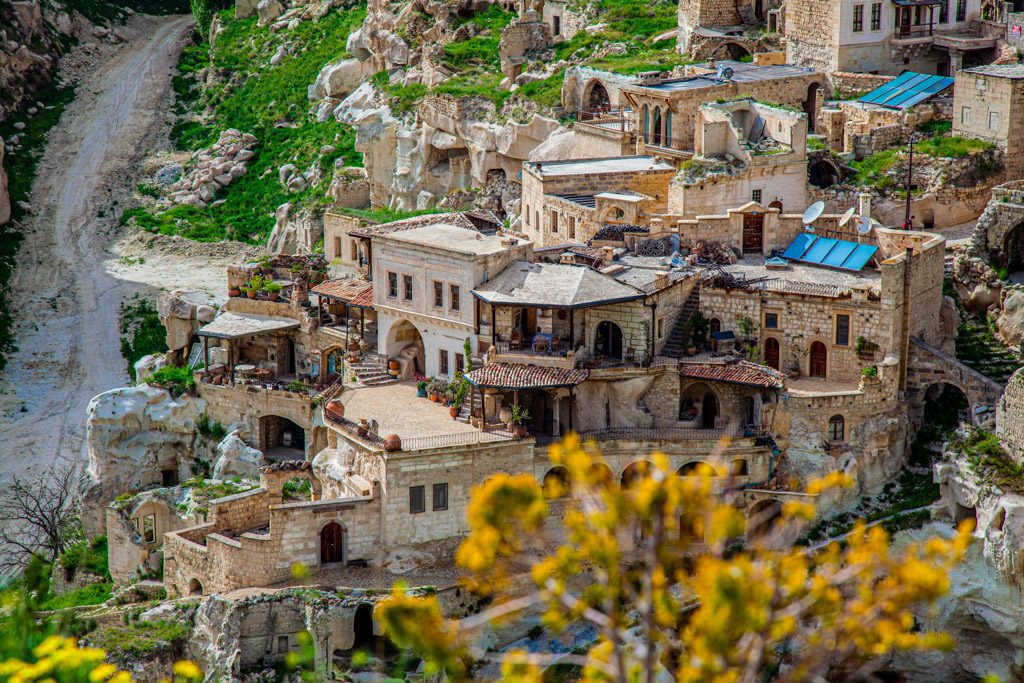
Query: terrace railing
x=664 y=433
x=425 y=443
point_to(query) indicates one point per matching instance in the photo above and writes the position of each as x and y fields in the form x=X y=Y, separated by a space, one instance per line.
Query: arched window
x=715 y=326
x=646 y=121
x=836 y=428
x=656 y=124
x=668 y=128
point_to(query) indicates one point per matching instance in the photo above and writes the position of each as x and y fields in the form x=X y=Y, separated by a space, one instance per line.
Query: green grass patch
x=176 y=380
x=93 y=594
x=142 y=333
x=978 y=347
x=390 y=215
x=951 y=146
x=21 y=171
x=143 y=639
x=90 y=556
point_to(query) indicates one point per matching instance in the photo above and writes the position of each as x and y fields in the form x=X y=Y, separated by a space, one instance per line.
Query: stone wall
x=991 y=107
x=812 y=34
x=1010 y=416
x=579 y=82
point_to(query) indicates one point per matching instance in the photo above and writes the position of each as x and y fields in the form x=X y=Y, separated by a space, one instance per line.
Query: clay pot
x=392 y=365
x=505 y=414
x=435 y=398
x=454 y=411
x=353 y=347
x=273 y=295
x=518 y=431
x=234 y=292
x=364 y=427
x=251 y=293
x=336 y=408
x=392 y=443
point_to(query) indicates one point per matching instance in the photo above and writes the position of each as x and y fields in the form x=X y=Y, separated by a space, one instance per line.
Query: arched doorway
x=819 y=360
x=597 y=98
x=635 y=471
x=709 y=413
x=556 y=483
x=715 y=326
x=822 y=173
x=332 y=543
x=282 y=439
x=362 y=627
x=656 y=127
x=733 y=51
x=195 y=588
x=697 y=468
x=763 y=517
x=601 y=475
x=811 y=105
x=1013 y=249
x=608 y=340
x=333 y=360
x=405 y=344
x=771 y=352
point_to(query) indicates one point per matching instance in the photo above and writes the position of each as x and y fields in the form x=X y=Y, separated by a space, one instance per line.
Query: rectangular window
x=771 y=321
x=407 y=287
x=438 y=294
x=993 y=120
x=661 y=328
x=442 y=362
x=440 y=496
x=858 y=18
x=944 y=12
x=876 y=16
x=842 y=330
x=460 y=362
x=536 y=219
x=755 y=196
x=961 y=10
x=453 y=293
x=282 y=645
x=417 y=500
x=554 y=221
x=526 y=216
x=965 y=115
x=354 y=250
x=572 y=227
x=556 y=25
x=393 y=285
x=149 y=528
x=169 y=477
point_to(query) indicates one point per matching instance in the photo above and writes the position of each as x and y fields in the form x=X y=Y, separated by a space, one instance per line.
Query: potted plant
x=454 y=409
x=699 y=326
x=519 y=416
x=865 y=348
x=421 y=388
x=249 y=292
x=256 y=283
x=691 y=347
x=869 y=375
x=235 y=291
x=273 y=289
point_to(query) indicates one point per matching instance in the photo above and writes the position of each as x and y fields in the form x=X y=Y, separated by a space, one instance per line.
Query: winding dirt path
x=70 y=282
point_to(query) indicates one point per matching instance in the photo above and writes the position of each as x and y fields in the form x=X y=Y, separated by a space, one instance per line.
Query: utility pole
x=907 y=221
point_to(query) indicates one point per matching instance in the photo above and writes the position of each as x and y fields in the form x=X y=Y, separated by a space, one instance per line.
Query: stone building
x=718 y=28
x=744 y=151
x=988 y=103
x=569 y=201
x=862 y=129
x=937 y=37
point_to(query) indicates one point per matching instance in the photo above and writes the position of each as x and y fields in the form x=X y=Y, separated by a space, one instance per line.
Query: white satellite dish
x=847 y=216
x=814 y=212
x=864 y=225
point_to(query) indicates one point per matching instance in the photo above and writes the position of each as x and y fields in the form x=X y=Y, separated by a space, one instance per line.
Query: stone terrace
x=398 y=411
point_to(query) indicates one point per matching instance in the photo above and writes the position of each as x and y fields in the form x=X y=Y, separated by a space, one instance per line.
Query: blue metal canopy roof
x=825 y=251
x=906 y=90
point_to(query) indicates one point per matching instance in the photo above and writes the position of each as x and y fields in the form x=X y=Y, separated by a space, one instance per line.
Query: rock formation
x=213 y=168
x=296 y=230
x=182 y=313
x=5 y=199
x=236 y=458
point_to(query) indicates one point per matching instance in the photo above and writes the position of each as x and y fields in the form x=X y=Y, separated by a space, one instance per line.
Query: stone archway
x=608 y=340
x=733 y=51
x=696 y=468
x=635 y=471
x=811 y=105
x=818 y=360
x=762 y=519
x=332 y=543
x=195 y=587
x=596 y=98
x=822 y=173
x=281 y=438
x=1012 y=252
x=556 y=482
x=405 y=344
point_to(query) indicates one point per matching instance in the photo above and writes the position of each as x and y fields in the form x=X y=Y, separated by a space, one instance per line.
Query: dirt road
x=70 y=278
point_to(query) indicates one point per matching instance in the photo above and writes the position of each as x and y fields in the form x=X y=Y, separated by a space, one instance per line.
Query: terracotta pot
x=273 y=295
x=505 y=414
x=392 y=443
x=337 y=408
x=234 y=292
x=454 y=411
x=435 y=398
x=364 y=427
x=251 y=294
x=518 y=431
x=392 y=365
x=353 y=346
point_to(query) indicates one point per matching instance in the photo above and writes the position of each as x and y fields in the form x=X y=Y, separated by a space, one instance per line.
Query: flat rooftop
x=596 y=166
x=802 y=278
x=1015 y=71
x=451 y=238
x=743 y=72
x=397 y=410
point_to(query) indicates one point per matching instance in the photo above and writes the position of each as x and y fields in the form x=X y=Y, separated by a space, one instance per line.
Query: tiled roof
x=351 y=290
x=743 y=372
x=457 y=219
x=554 y=285
x=517 y=376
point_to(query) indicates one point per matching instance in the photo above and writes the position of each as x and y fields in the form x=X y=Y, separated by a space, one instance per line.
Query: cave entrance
x=1013 y=249
x=822 y=173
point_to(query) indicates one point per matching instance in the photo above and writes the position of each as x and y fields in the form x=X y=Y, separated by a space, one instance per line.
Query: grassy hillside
x=268 y=101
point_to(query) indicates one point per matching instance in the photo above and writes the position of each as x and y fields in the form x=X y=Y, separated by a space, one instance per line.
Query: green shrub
x=177 y=380
x=90 y=556
x=142 y=639
x=142 y=333
x=211 y=429
x=93 y=594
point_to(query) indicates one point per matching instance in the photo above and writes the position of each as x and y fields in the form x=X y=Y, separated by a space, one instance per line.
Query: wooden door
x=771 y=352
x=819 y=360
x=331 y=543
x=709 y=413
x=753 y=233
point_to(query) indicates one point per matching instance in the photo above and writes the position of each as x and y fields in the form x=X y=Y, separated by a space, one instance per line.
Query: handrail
x=425 y=443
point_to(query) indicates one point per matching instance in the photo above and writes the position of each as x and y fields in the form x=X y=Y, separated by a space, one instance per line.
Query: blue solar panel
x=906 y=90
x=839 y=254
x=800 y=245
x=859 y=258
x=821 y=248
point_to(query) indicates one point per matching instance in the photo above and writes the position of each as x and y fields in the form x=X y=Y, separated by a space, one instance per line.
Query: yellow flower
x=187 y=669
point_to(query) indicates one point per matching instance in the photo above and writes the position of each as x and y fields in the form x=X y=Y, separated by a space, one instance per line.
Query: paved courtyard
x=397 y=410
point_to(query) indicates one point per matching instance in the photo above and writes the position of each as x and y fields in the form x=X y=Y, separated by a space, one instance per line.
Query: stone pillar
x=556 y=421
x=956 y=61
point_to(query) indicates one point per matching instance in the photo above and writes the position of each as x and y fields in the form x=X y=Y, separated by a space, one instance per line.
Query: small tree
x=204 y=17
x=654 y=566
x=39 y=515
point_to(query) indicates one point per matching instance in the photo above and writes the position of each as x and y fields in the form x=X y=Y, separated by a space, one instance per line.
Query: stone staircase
x=478 y=401
x=675 y=344
x=372 y=370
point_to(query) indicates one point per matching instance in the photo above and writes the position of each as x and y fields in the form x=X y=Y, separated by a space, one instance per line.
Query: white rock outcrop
x=182 y=313
x=236 y=458
x=147 y=365
x=296 y=230
x=336 y=80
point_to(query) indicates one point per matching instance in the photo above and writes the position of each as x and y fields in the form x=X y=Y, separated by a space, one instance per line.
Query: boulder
x=179 y=312
x=336 y=80
x=268 y=11
x=245 y=8
x=236 y=458
x=168 y=175
x=147 y=365
x=1011 y=318
x=295 y=230
x=981 y=297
